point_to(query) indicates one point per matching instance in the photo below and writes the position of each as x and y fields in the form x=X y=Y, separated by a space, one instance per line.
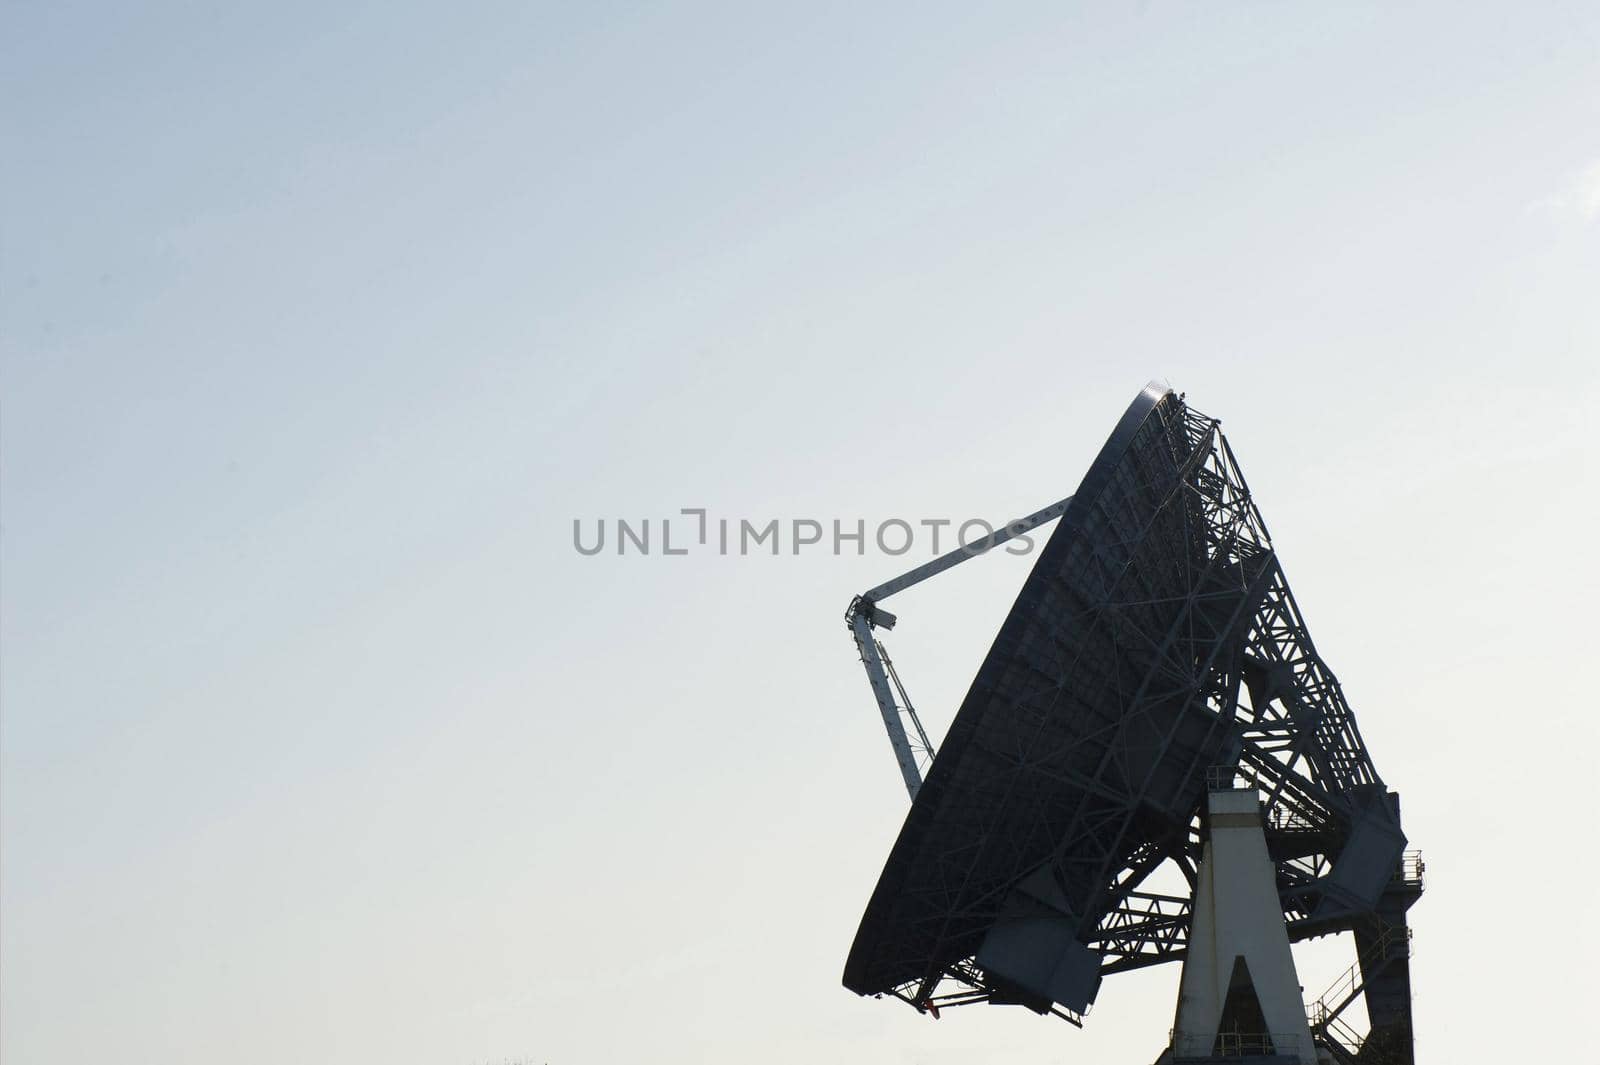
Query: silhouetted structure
x=1155 y=641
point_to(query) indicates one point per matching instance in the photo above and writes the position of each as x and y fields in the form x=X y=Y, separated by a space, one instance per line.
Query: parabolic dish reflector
x=1154 y=639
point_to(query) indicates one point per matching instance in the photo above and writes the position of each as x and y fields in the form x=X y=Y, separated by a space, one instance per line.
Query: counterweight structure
x=1154 y=646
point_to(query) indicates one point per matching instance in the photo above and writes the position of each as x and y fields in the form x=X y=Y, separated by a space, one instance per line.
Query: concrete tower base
x=1239 y=998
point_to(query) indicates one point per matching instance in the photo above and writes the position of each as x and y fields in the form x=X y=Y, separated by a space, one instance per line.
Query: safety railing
x=1410 y=870
x=1229 y=1045
x=1335 y=1030
x=1227 y=778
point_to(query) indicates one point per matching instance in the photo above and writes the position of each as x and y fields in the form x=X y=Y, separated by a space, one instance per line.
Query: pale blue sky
x=323 y=322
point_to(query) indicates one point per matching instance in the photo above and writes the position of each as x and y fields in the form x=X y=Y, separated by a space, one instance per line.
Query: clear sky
x=323 y=322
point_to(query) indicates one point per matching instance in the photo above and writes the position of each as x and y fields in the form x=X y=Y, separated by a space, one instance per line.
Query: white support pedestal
x=1239 y=991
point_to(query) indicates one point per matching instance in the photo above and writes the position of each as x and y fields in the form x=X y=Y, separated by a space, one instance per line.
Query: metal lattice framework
x=1155 y=639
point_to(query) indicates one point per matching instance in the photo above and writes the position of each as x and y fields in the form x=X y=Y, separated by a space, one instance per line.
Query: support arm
x=864 y=615
x=1010 y=531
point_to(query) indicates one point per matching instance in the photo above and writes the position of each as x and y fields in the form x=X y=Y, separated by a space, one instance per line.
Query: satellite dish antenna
x=1152 y=699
